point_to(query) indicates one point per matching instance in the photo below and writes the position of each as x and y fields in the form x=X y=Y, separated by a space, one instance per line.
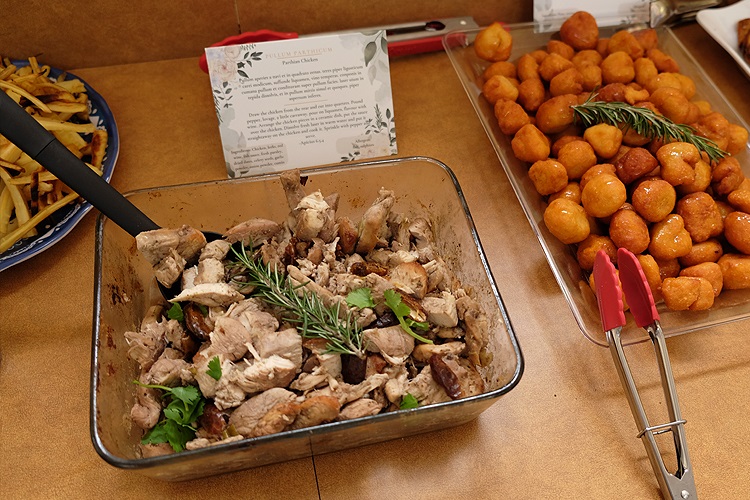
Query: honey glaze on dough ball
x=548 y=176
x=493 y=43
x=530 y=144
x=654 y=199
x=603 y=195
x=588 y=248
x=580 y=31
x=735 y=270
x=628 y=230
x=567 y=221
x=737 y=231
x=687 y=293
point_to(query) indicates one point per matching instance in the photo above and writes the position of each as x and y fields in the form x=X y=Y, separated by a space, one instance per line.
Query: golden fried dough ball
x=548 y=176
x=687 y=293
x=703 y=106
x=580 y=31
x=671 y=103
x=634 y=93
x=562 y=140
x=618 y=67
x=531 y=94
x=556 y=114
x=701 y=216
x=602 y=168
x=622 y=152
x=603 y=195
x=654 y=199
x=601 y=47
x=588 y=57
x=634 y=164
x=727 y=176
x=510 y=116
x=612 y=92
x=605 y=139
x=663 y=62
x=628 y=230
x=560 y=48
x=735 y=270
x=588 y=248
x=706 y=251
x=527 y=68
x=553 y=65
x=687 y=85
x=567 y=221
x=668 y=268
x=504 y=68
x=737 y=231
x=669 y=239
x=652 y=274
x=647 y=38
x=624 y=41
x=592 y=77
x=499 y=87
x=572 y=192
x=577 y=156
x=661 y=80
x=530 y=144
x=493 y=43
x=708 y=270
x=569 y=81
x=677 y=160
x=645 y=70
x=539 y=55
x=702 y=179
x=738 y=136
x=740 y=197
x=715 y=127
x=724 y=208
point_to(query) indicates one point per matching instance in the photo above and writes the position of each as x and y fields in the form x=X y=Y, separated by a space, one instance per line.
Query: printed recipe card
x=303 y=102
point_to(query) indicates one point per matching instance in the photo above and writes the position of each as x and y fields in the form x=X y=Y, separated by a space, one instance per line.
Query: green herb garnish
x=644 y=122
x=175 y=312
x=184 y=409
x=315 y=319
x=214 y=368
x=402 y=311
x=361 y=297
x=408 y=402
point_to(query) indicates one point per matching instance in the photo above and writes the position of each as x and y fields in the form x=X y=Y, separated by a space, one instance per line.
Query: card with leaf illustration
x=302 y=102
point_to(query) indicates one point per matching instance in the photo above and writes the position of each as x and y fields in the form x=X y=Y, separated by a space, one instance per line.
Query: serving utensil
x=680 y=484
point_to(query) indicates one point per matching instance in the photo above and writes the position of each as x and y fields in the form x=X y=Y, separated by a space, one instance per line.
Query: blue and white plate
x=59 y=224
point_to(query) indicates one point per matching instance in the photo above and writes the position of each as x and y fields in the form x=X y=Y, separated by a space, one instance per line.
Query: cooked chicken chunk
x=411 y=278
x=347 y=235
x=424 y=240
x=424 y=388
x=146 y=345
x=168 y=372
x=156 y=245
x=373 y=221
x=423 y=352
x=199 y=443
x=316 y=410
x=391 y=341
x=209 y=271
x=229 y=338
x=285 y=343
x=262 y=374
x=290 y=181
x=441 y=311
x=147 y=409
x=310 y=216
x=210 y=294
x=252 y=232
x=364 y=407
x=247 y=416
x=347 y=393
x=477 y=329
x=216 y=249
x=169 y=269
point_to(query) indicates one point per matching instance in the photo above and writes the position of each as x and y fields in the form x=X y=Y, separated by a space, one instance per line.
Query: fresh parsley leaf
x=203 y=309
x=214 y=368
x=176 y=428
x=361 y=297
x=408 y=401
x=402 y=311
x=175 y=312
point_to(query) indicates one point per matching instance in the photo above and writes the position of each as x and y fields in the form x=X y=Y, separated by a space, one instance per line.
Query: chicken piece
x=378 y=285
x=476 y=327
x=439 y=277
x=316 y=410
x=247 y=416
x=304 y=283
x=290 y=181
x=229 y=338
x=343 y=283
x=399 y=226
x=423 y=352
x=459 y=379
x=310 y=216
x=401 y=257
x=209 y=271
x=155 y=450
x=285 y=343
x=315 y=252
x=258 y=322
x=167 y=372
x=373 y=221
x=364 y=407
x=348 y=235
x=155 y=245
x=146 y=411
x=252 y=232
x=199 y=443
x=206 y=383
x=424 y=388
x=210 y=294
x=170 y=268
x=276 y=420
x=391 y=341
x=226 y=393
x=411 y=278
x=191 y=242
x=179 y=339
x=188 y=277
x=216 y=249
x=346 y=393
x=395 y=388
x=441 y=311
x=146 y=345
x=263 y=374
x=328 y=367
x=424 y=240
x=330 y=228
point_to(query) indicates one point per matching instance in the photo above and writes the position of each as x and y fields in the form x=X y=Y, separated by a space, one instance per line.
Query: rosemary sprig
x=306 y=309
x=644 y=122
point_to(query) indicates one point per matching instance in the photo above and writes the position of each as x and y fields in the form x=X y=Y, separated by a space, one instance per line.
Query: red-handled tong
x=403 y=39
x=681 y=484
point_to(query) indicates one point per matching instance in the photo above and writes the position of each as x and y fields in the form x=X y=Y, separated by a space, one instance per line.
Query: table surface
x=564 y=432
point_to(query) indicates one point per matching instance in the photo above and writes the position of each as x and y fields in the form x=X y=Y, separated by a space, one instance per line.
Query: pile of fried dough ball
x=685 y=217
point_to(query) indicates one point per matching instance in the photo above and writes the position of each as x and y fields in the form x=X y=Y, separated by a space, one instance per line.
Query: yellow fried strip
x=10 y=239
x=6 y=210
x=81 y=128
x=18 y=90
x=19 y=202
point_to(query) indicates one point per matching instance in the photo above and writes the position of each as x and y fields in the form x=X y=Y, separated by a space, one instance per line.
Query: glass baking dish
x=125 y=287
x=729 y=306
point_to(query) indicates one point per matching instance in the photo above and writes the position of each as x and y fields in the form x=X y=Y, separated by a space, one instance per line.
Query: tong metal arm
x=681 y=484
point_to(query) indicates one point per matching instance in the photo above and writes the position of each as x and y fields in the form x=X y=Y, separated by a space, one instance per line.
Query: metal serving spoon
x=24 y=131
